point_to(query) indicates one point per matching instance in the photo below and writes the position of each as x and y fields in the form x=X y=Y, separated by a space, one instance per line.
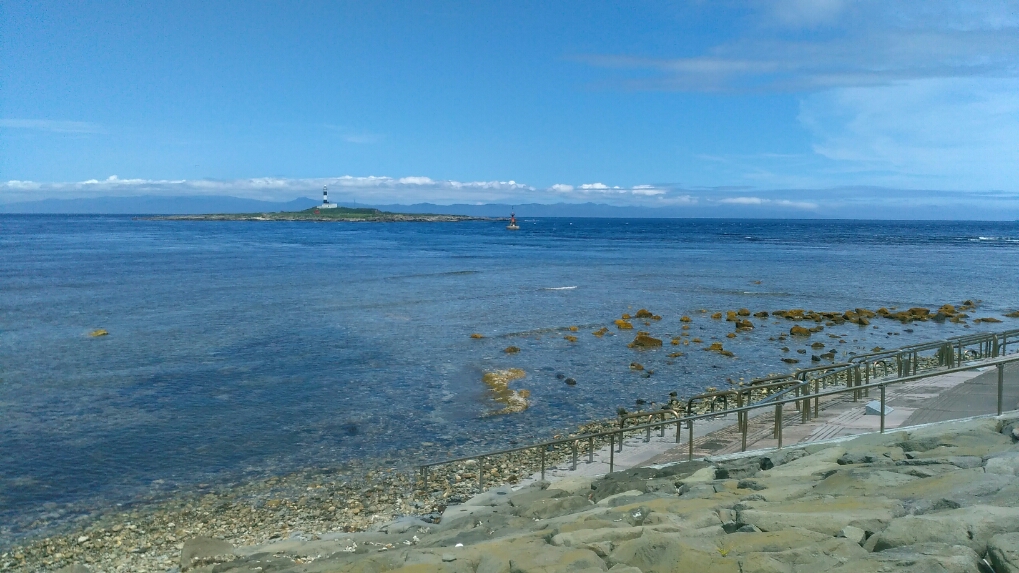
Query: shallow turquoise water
x=241 y=348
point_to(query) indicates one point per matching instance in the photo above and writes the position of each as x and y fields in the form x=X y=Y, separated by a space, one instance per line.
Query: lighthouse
x=325 y=199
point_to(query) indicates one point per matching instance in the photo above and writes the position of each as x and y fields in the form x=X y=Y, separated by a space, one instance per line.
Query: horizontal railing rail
x=992 y=346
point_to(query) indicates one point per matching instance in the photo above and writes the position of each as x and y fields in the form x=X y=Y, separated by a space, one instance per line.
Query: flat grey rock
x=873 y=408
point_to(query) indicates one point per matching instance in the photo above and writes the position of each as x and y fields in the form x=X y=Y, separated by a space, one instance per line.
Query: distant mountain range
x=200 y=205
x=156 y=205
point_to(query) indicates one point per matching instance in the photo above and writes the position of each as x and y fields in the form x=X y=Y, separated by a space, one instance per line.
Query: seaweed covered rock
x=743 y=312
x=623 y=324
x=600 y=332
x=718 y=315
x=511 y=350
x=99 y=332
x=645 y=340
x=799 y=331
x=636 y=366
x=686 y=318
x=498 y=383
x=644 y=313
x=570 y=337
x=717 y=347
x=477 y=335
x=744 y=324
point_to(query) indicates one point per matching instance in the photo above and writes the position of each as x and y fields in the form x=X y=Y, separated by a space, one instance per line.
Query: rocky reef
x=940 y=498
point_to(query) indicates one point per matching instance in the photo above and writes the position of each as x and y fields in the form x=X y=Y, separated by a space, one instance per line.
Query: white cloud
x=759 y=201
x=959 y=133
x=53 y=126
x=371 y=189
x=416 y=181
x=864 y=43
x=807 y=13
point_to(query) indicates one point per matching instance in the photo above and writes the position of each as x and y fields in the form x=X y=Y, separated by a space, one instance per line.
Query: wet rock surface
x=856 y=505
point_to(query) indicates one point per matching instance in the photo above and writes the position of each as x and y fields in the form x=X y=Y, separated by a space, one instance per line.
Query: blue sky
x=799 y=104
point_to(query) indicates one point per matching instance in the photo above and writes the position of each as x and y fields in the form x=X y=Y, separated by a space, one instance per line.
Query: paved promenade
x=939 y=398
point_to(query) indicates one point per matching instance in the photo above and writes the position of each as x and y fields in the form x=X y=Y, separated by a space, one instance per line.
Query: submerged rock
x=477 y=336
x=511 y=350
x=498 y=383
x=99 y=332
x=570 y=337
x=600 y=332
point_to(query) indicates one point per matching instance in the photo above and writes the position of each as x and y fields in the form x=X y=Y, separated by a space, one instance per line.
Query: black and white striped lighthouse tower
x=325 y=195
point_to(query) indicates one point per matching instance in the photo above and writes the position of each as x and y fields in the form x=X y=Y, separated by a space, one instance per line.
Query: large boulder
x=202 y=551
x=971 y=526
x=1003 y=552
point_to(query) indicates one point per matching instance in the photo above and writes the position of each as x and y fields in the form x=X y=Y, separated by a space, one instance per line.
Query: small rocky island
x=332 y=214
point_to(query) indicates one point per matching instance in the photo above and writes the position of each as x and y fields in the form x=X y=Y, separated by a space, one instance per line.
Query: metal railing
x=860 y=375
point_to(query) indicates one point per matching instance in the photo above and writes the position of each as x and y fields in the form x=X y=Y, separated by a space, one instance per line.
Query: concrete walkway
x=976 y=396
x=938 y=398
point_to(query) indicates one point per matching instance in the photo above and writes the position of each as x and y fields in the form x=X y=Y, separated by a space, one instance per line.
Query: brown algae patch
x=498 y=383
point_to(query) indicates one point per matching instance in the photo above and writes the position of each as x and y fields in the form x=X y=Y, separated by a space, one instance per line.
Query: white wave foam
x=560 y=288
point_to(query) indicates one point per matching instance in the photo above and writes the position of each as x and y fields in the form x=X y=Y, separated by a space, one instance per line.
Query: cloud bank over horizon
x=378 y=190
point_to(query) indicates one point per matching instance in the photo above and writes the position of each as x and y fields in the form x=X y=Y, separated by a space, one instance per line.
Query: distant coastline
x=336 y=214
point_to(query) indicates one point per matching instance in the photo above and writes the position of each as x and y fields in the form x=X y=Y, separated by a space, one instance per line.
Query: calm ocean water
x=239 y=349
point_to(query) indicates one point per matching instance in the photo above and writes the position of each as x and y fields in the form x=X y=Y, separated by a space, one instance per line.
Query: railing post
x=543 y=463
x=743 y=445
x=481 y=475
x=648 y=437
x=679 y=429
x=1001 y=385
x=817 y=399
x=882 y=408
x=689 y=455
x=612 y=451
x=590 y=450
x=778 y=423
x=661 y=429
x=805 y=410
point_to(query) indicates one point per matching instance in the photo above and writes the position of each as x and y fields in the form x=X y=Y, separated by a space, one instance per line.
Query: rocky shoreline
x=302 y=505
x=942 y=497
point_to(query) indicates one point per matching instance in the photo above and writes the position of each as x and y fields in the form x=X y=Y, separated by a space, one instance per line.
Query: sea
x=238 y=350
